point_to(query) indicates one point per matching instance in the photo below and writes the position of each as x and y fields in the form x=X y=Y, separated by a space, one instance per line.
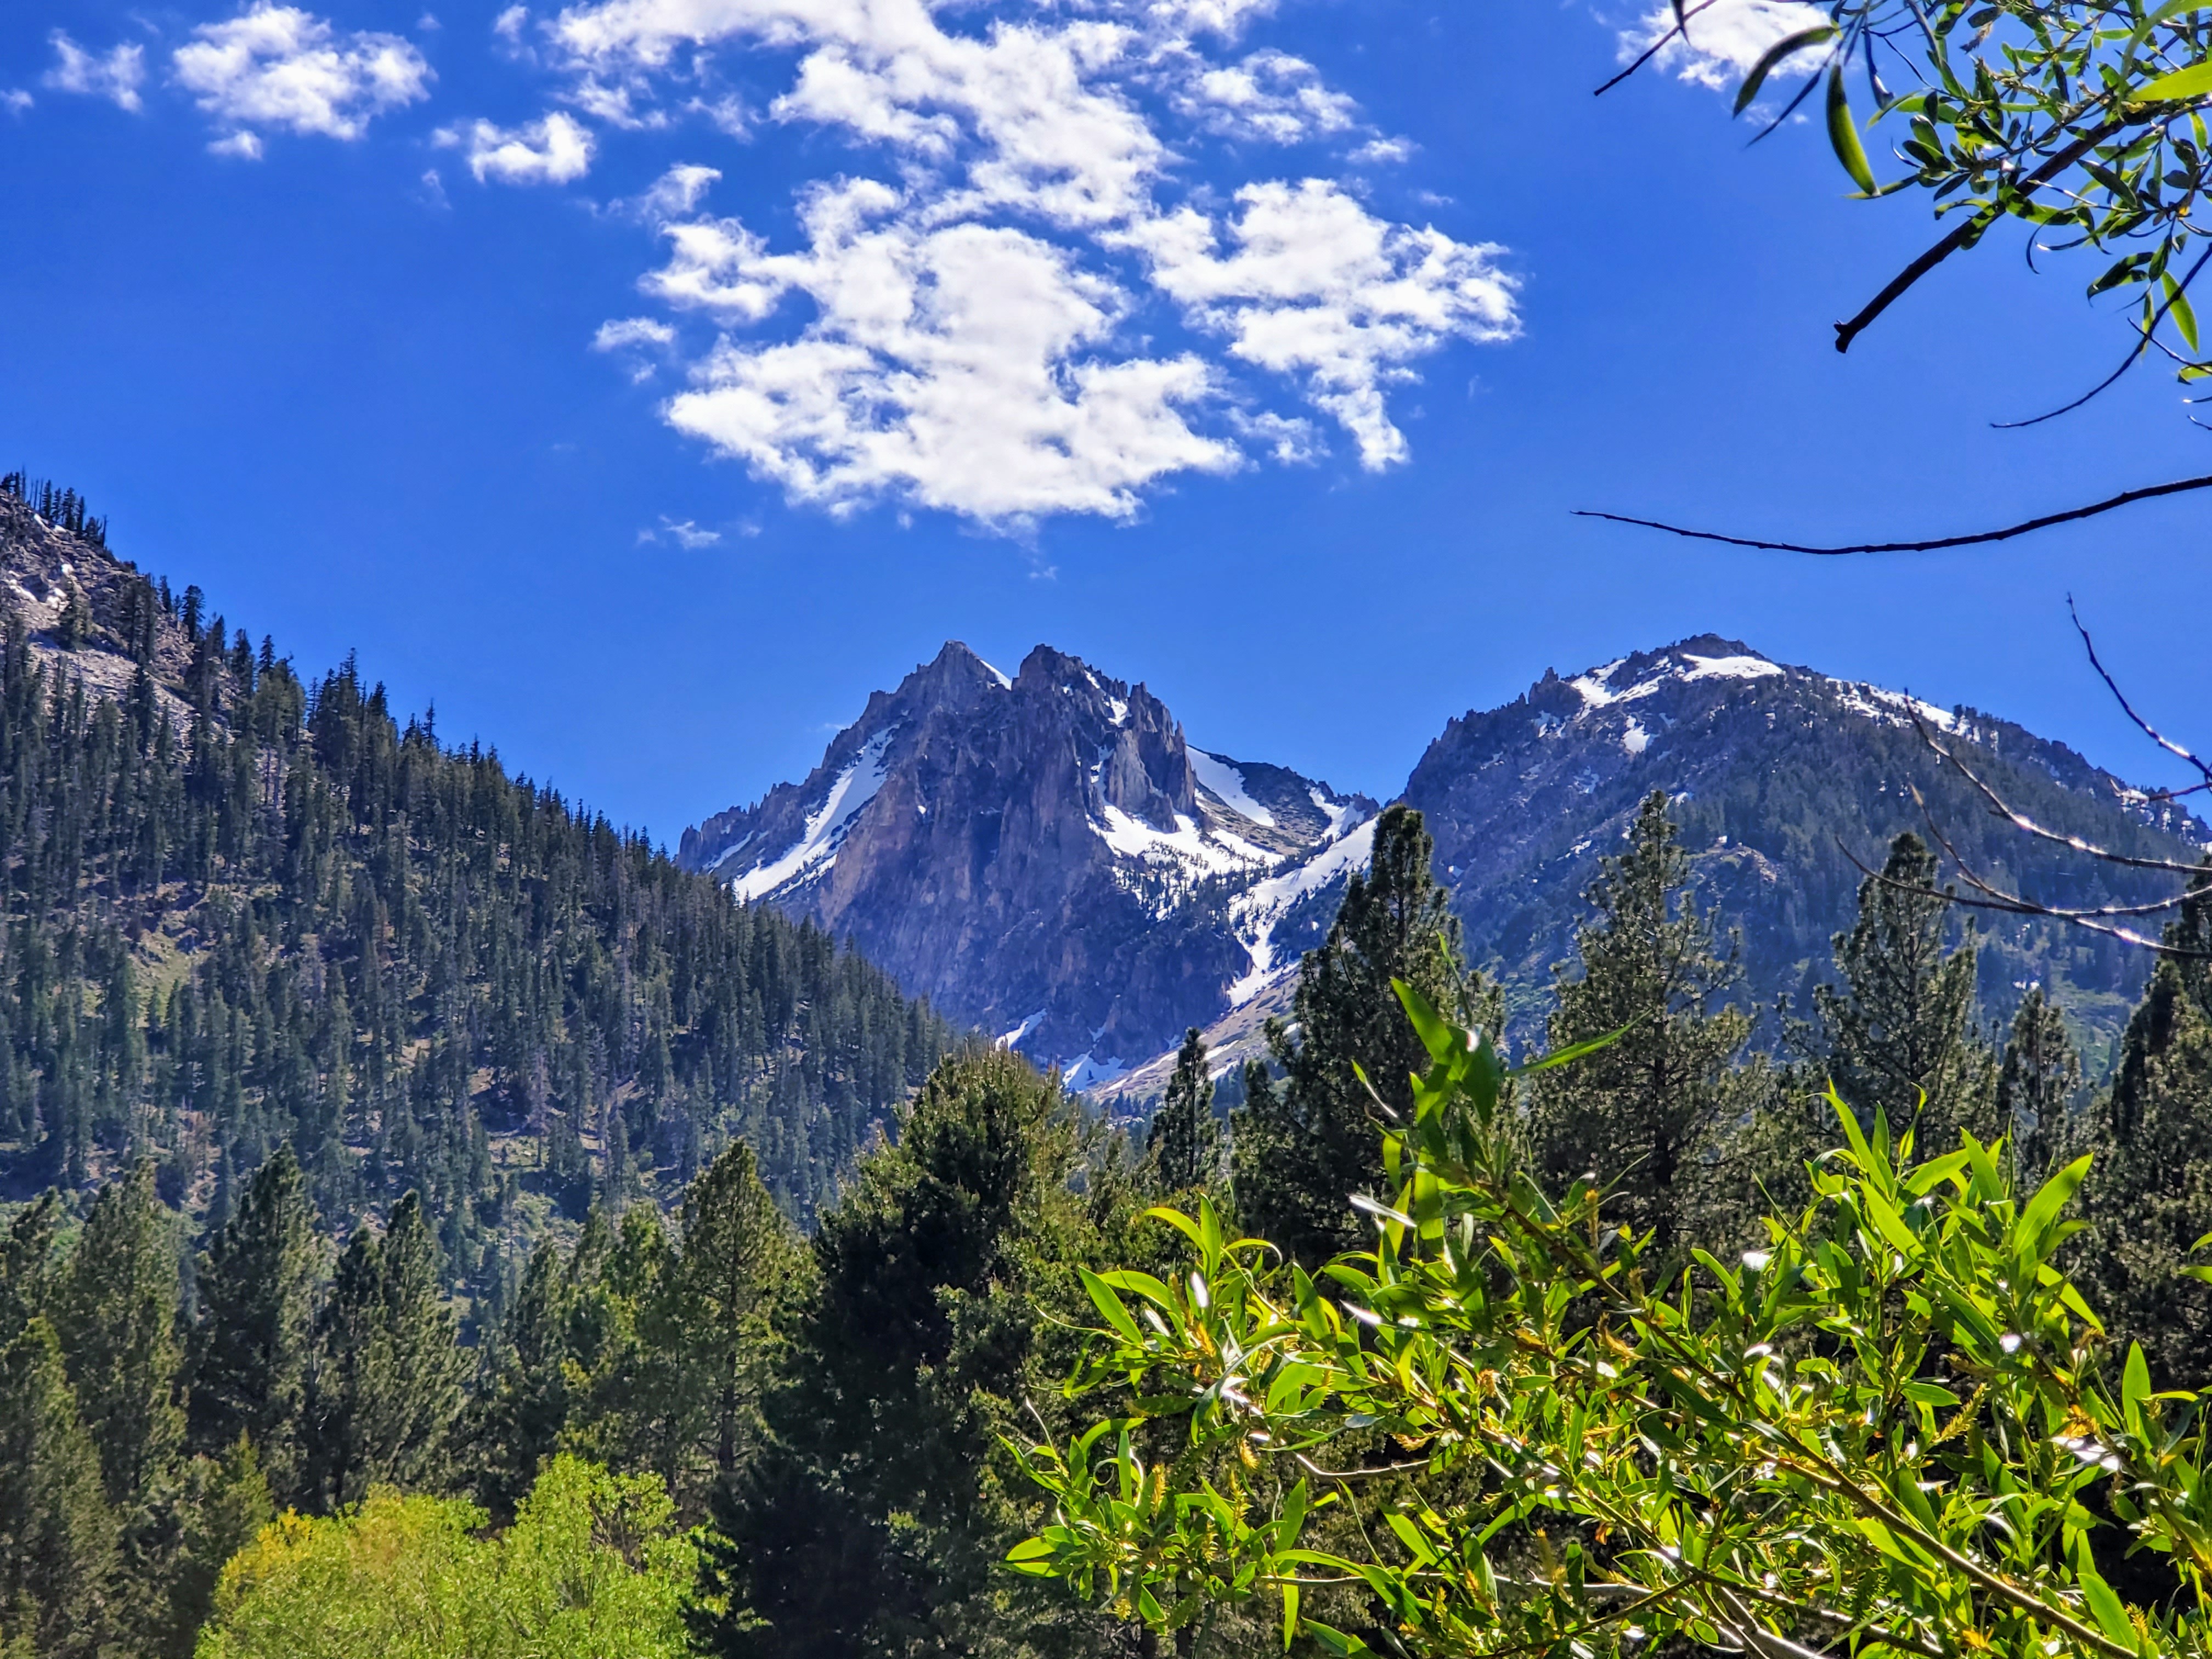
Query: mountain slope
x=242 y=910
x=1042 y=854
x=1776 y=772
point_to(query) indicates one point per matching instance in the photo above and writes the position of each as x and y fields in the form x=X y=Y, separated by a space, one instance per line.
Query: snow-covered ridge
x=1220 y=776
x=816 y=849
x=1259 y=908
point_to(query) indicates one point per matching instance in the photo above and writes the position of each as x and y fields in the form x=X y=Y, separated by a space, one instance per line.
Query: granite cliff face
x=1045 y=856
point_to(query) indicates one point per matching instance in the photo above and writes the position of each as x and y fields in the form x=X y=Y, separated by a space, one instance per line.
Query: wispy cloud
x=276 y=68
x=684 y=534
x=115 y=75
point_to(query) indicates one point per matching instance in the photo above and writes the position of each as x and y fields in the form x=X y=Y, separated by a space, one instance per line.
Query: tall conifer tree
x=2037 y=1087
x=1647 y=1115
x=387 y=1388
x=57 y=1532
x=255 y=1339
x=1184 y=1141
x=1303 y=1148
x=1900 y=1030
x=116 y=1313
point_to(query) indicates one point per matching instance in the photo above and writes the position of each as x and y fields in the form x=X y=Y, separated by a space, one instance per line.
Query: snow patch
x=816 y=849
x=1013 y=1039
x=1186 y=844
x=1635 y=739
x=1343 y=815
x=1730 y=668
x=1891 y=708
x=1084 y=1073
x=1006 y=680
x=1219 y=774
x=1255 y=911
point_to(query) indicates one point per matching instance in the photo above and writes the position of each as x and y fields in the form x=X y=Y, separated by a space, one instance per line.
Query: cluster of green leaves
x=593 y=1565
x=1897 y=1424
x=2080 y=119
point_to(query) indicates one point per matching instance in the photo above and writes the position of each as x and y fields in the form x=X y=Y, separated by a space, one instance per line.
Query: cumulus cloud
x=15 y=101
x=978 y=329
x=554 y=151
x=115 y=75
x=1317 y=287
x=1721 y=40
x=276 y=67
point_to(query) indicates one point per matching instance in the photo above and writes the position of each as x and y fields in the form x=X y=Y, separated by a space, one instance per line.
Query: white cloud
x=507 y=26
x=276 y=66
x=1377 y=152
x=116 y=75
x=1319 y=288
x=1722 y=40
x=958 y=367
x=554 y=151
x=632 y=332
x=15 y=101
x=1270 y=95
x=245 y=146
x=974 y=329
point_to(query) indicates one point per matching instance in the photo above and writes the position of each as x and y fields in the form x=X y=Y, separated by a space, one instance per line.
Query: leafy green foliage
x=1885 y=1429
x=592 y=1566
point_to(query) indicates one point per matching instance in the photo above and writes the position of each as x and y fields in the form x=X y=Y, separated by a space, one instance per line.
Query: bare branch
x=2128 y=708
x=2020 y=821
x=2014 y=905
x=2125 y=498
x=1682 y=17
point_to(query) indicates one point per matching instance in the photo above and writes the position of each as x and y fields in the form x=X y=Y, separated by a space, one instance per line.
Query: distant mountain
x=1044 y=855
x=1048 y=857
x=1778 y=773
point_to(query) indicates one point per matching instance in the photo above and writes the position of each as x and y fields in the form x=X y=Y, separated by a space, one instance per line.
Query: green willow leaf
x=2181 y=85
x=1844 y=133
x=1786 y=48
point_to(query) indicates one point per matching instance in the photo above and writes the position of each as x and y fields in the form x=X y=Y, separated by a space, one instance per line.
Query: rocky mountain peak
x=1045 y=856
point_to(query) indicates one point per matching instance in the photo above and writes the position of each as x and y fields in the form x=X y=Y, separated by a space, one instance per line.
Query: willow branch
x=2125 y=498
x=1968 y=230
x=2128 y=708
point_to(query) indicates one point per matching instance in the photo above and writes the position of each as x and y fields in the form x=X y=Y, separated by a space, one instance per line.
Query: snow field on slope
x=816 y=850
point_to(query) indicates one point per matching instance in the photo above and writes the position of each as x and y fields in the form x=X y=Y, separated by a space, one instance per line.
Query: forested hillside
x=244 y=907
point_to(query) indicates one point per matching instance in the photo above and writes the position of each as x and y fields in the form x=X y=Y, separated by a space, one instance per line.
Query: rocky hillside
x=1045 y=856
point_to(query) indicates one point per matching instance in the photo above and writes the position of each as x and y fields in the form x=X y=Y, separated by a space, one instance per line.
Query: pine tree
x=26 y=1252
x=116 y=1314
x=1648 y=1114
x=1184 y=1142
x=386 y=1385
x=737 y=1253
x=56 y=1533
x=2037 y=1087
x=1302 y=1149
x=2148 y=1197
x=255 y=1339
x=943 y=1295
x=1899 y=1035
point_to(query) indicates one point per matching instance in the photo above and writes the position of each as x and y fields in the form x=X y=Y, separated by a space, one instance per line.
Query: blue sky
x=646 y=381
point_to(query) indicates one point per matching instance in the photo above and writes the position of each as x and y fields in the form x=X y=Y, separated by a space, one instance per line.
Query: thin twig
x=1681 y=19
x=2125 y=498
x=2128 y=708
x=2148 y=330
